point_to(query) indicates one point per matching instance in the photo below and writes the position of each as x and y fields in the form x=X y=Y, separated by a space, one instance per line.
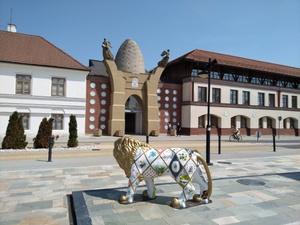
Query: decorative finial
x=106 y=46
x=164 y=61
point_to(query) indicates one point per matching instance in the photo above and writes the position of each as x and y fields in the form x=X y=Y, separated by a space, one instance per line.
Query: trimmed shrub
x=14 y=137
x=45 y=131
x=73 y=142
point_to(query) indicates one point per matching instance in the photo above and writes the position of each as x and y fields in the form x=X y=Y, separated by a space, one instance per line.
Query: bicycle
x=235 y=137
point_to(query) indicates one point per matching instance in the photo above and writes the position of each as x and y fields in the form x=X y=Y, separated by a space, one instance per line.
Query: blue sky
x=267 y=30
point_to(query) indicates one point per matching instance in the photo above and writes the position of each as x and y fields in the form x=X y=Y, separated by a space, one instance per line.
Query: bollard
x=50 y=154
x=274 y=144
x=219 y=144
x=50 y=146
x=147 y=139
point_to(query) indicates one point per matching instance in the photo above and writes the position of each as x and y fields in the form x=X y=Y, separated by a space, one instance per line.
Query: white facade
x=39 y=103
x=226 y=110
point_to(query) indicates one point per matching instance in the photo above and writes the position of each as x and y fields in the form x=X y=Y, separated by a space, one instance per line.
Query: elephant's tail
x=202 y=161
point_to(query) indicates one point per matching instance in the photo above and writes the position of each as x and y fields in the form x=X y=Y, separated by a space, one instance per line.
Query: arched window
x=292 y=123
x=214 y=121
x=244 y=123
x=133 y=105
x=201 y=121
x=260 y=123
x=269 y=122
x=233 y=122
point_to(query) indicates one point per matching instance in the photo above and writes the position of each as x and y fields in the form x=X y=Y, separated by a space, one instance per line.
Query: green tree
x=45 y=131
x=14 y=137
x=73 y=142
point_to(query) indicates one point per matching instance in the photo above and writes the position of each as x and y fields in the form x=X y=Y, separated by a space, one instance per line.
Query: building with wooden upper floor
x=245 y=93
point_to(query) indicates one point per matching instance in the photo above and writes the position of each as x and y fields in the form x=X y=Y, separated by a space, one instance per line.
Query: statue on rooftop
x=140 y=162
x=106 y=46
x=164 y=61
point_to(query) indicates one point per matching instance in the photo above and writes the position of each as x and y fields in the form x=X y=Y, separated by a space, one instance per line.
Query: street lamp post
x=208 y=127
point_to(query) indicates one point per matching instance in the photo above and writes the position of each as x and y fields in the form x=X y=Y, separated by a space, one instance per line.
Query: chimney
x=11 y=27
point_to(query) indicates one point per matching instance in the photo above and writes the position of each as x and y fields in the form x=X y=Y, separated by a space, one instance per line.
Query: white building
x=39 y=80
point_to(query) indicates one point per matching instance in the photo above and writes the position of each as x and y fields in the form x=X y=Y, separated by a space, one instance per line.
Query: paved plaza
x=249 y=187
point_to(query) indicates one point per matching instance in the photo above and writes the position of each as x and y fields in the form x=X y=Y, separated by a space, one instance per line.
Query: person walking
x=169 y=128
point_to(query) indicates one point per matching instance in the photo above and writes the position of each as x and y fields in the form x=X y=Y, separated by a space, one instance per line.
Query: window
x=267 y=82
x=214 y=121
x=215 y=75
x=233 y=97
x=285 y=101
x=255 y=80
x=228 y=76
x=216 y=95
x=292 y=123
x=243 y=79
x=279 y=83
x=261 y=99
x=285 y=123
x=58 y=121
x=294 y=102
x=289 y=123
x=246 y=98
x=58 y=87
x=196 y=72
x=201 y=121
x=250 y=78
x=269 y=122
x=25 y=120
x=202 y=94
x=289 y=85
x=243 y=122
x=272 y=100
x=23 y=84
x=260 y=123
x=233 y=122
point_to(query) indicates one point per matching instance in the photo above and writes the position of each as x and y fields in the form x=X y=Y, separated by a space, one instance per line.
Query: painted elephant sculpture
x=142 y=162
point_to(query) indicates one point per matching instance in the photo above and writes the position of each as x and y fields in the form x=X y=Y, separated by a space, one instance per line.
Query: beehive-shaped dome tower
x=129 y=58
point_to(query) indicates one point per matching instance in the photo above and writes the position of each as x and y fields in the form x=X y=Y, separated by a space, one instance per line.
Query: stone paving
x=38 y=196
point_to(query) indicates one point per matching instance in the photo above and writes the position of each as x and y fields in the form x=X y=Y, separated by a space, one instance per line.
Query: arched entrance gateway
x=133 y=115
x=133 y=100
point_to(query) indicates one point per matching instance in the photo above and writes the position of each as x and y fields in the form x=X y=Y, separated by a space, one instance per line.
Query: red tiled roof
x=34 y=50
x=235 y=61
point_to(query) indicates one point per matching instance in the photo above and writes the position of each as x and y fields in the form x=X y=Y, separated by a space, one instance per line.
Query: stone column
x=153 y=122
x=116 y=125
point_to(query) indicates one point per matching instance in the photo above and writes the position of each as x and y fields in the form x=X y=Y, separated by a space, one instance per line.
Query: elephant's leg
x=203 y=185
x=187 y=194
x=150 y=193
x=132 y=185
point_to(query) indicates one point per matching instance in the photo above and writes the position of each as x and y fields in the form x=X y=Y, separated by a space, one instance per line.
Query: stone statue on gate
x=106 y=46
x=166 y=56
